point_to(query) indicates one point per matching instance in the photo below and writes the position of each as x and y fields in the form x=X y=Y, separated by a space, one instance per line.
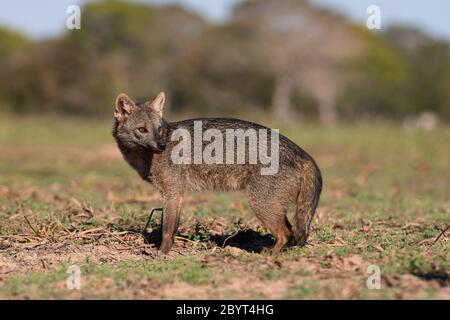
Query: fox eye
x=142 y=130
x=159 y=130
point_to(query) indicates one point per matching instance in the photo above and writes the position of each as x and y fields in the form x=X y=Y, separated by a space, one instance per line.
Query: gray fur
x=297 y=181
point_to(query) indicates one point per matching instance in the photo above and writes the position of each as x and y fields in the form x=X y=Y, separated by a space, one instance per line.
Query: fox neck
x=139 y=159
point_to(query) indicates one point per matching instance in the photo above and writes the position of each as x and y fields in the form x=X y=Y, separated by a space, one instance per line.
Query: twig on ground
x=185 y=239
x=150 y=218
x=120 y=240
x=225 y=241
x=441 y=234
x=36 y=232
x=82 y=233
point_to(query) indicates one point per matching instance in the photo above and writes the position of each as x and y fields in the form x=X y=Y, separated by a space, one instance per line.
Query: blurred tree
x=216 y=74
x=379 y=84
x=122 y=46
x=428 y=66
x=128 y=47
x=12 y=42
x=279 y=55
x=13 y=50
x=304 y=46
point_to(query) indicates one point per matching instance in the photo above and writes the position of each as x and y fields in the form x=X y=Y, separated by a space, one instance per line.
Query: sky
x=46 y=18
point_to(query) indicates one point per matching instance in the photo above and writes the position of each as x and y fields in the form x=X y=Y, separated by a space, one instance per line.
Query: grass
x=67 y=197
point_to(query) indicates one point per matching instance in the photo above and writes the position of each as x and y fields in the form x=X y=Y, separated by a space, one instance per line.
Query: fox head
x=140 y=126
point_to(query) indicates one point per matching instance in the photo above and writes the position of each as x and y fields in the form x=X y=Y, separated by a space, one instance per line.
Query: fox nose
x=161 y=145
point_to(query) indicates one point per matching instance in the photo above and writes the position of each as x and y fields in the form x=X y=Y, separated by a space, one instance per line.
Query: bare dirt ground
x=67 y=198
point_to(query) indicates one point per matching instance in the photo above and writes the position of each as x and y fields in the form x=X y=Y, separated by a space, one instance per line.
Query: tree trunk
x=327 y=112
x=281 y=101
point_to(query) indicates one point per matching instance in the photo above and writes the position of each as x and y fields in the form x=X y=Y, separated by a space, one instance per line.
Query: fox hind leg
x=273 y=217
x=279 y=230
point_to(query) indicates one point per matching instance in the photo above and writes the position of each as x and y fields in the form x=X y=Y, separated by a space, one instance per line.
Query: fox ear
x=158 y=103
x=124 y=107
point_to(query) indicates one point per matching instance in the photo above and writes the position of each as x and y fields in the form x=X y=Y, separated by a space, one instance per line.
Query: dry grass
x=67 y=197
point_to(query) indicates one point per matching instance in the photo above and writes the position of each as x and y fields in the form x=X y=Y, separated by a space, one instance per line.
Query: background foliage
x=285 y=58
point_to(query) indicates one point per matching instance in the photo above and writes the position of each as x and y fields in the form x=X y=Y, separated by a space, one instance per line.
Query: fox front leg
x=171 y=220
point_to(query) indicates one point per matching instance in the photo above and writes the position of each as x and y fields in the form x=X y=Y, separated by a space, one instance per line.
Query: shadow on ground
x=246 y=239
x=442 y=277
